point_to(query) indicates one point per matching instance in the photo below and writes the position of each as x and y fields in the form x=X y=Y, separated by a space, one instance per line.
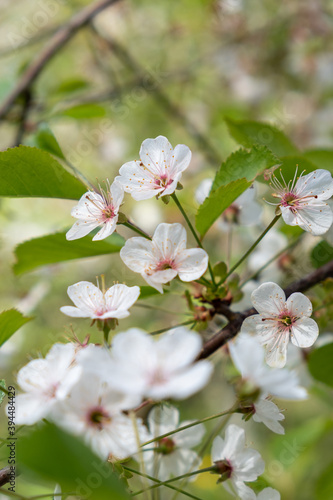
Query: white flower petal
x=178 y=348
x=75 y=312
x=121 y=296
x=304 y=332
x=137 y=254
x=169 y=239
x=80 y=229
x=191 y=437
x=269 y=494
x=191 y=264
x=299 y=305
x=318 y=183
x=107 y=229
x=269 y=414
x=276 y=350
x=85 y=296
x=155 y=154
x=269 y=299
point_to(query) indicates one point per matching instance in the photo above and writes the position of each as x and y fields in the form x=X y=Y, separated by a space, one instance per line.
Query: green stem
x=158 y=481
x=276 y=256
x=189 y=322
x=192 y=424
x=193 y=231
x=135 y=228
x=3 y=389
x=250 y=250
x=189 y=474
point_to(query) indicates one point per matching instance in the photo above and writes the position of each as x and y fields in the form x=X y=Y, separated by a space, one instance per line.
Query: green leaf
x=2 y=393
x=235 y=175
x=322 y=158
x=321 y=254
x=320 y=364
x=60 y=458
x=26 y=172
x=55 y=248
x=45 y=140
x=244 y=164
x=84 y=111
x=10 y=322
x=248 y=133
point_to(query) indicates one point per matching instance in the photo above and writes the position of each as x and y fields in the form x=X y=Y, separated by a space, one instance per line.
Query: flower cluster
x=89 y=389
x=95 y=390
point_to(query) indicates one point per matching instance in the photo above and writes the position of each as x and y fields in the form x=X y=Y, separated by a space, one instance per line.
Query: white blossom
x=45 y=382
x=280 y=319
x=172 y=455
x=248 y=357
x=164 y=257
x=268 y=413
x=158 y=171
x=303 y=201
x=91 y=302
x=159 y=368
x=93 y=410
x=237 y=463
x=96 y=209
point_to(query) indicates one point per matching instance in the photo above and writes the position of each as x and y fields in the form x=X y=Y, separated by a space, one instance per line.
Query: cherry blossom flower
x=96 y=209
x=268 y=413
x=302 y=201
x=158 y=171
x=45 y=382
x=162 y=368
x=281 y=383
x=166 y=256
x=172 y=455
x=91 y=302
x=236 y=463
x=280 y=319
x=93 y=409
x=244 y=211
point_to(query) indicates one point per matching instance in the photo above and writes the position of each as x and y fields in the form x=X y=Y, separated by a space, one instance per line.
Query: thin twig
x=58 y=40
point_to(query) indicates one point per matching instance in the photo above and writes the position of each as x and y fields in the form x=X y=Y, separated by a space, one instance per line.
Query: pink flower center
x=108 y=212
x=164 y=265
x=97 y=417
x=163 y=181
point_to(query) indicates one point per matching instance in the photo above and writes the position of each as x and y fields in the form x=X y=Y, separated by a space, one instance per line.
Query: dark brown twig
x=233 y=327
x=58 y=40
x=5 y=476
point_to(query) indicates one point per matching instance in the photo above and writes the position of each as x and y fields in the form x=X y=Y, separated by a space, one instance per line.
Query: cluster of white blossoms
x=90 y=390
x=93 y=390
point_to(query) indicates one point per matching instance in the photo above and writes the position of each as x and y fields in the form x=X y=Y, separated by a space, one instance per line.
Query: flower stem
x=3 y=389
x=160 y=482
x=192 y=424
x=189 y=322
x=193 y=231
x=250 y=250
x=135 y=228
x=189 y=474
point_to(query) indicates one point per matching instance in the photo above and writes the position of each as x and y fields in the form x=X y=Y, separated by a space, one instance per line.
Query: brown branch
x=5 y=476
x=233 y=327
x=58 y=40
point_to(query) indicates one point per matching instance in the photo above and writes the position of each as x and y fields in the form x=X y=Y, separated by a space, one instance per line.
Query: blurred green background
x=178 y=69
